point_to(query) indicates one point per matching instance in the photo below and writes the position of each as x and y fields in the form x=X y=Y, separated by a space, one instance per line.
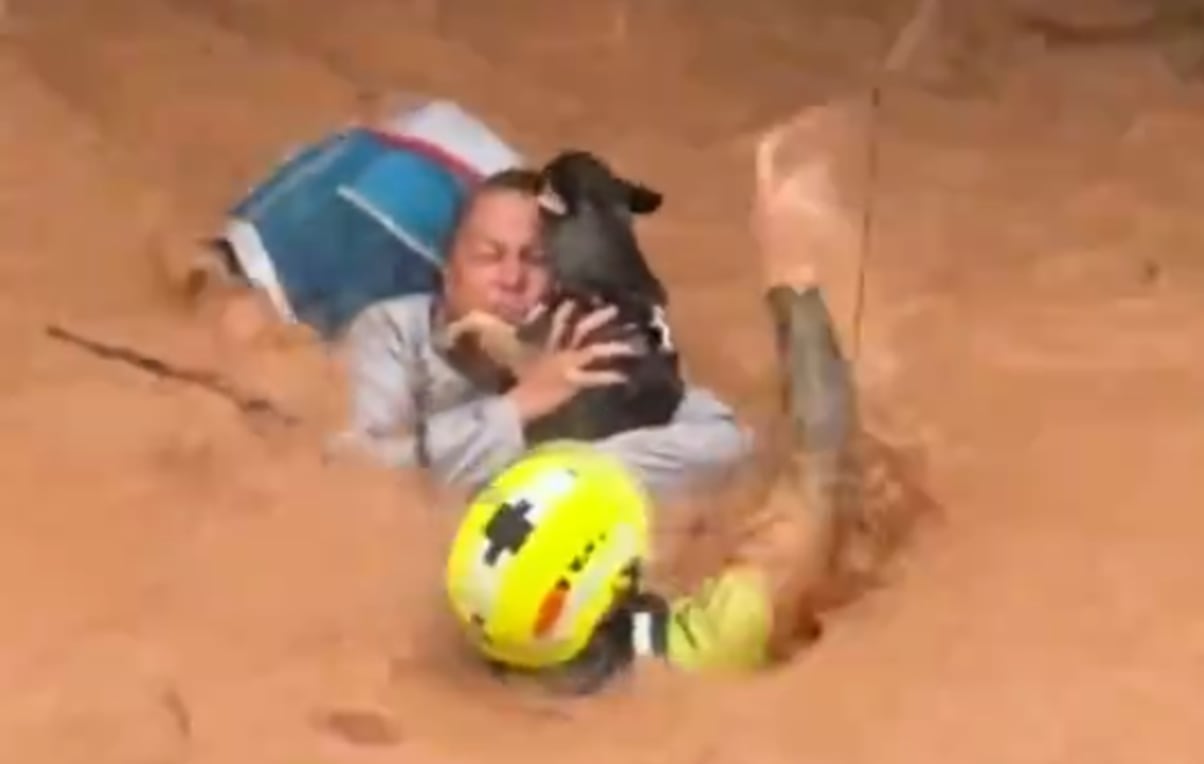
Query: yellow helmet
x=544 y=552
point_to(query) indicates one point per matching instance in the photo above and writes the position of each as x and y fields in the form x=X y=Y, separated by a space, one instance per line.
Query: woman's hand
x=554 y=375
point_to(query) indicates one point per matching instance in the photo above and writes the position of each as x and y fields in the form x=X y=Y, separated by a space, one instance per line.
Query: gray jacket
x=399 y=379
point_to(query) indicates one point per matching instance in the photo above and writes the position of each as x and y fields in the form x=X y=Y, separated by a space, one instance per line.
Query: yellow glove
x=724 y=626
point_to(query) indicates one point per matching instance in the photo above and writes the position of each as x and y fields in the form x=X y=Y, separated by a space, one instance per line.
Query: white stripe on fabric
x=446 y=125
x=369 y=209
x=256 y=262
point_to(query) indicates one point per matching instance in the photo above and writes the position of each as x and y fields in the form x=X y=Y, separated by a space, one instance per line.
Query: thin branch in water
x=208 y=380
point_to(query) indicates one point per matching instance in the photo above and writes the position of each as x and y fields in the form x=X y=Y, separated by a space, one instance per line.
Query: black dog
x=595 y=259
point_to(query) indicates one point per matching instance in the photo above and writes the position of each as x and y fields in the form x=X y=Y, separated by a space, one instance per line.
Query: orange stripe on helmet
x=551 y=608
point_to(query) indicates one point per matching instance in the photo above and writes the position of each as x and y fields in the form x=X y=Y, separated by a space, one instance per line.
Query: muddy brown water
x=177 y=587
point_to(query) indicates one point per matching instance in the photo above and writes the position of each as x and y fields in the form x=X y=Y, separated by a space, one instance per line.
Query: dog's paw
x=493 y=337
x=471 y=326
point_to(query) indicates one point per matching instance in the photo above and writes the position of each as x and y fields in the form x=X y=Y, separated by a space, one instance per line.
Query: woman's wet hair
x=519 y=180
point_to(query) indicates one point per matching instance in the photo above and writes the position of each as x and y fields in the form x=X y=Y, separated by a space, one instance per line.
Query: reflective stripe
x=641 y=634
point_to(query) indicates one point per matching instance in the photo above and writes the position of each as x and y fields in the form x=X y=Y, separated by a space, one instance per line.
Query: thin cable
x=898 y=55
x=867 y=218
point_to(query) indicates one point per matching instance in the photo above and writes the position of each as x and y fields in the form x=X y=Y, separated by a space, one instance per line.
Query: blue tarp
x=360 y=216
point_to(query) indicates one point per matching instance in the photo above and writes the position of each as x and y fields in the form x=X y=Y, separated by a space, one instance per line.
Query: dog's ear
x=642 y=200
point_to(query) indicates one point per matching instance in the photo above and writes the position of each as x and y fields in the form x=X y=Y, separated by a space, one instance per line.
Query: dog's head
x=587 y=211
x=588 y=229
x=576 y=178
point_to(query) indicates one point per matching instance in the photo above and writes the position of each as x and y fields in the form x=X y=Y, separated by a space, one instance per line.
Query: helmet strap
x=648 y=627
x=637 y=628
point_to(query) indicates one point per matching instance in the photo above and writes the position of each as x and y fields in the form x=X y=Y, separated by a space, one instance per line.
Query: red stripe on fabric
x=432 y=152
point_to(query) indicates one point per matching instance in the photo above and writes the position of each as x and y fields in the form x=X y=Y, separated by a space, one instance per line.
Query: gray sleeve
x=390 y=418
x=703 y=442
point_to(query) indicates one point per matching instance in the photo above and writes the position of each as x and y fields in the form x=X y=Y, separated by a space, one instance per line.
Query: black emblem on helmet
x=507 y=530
